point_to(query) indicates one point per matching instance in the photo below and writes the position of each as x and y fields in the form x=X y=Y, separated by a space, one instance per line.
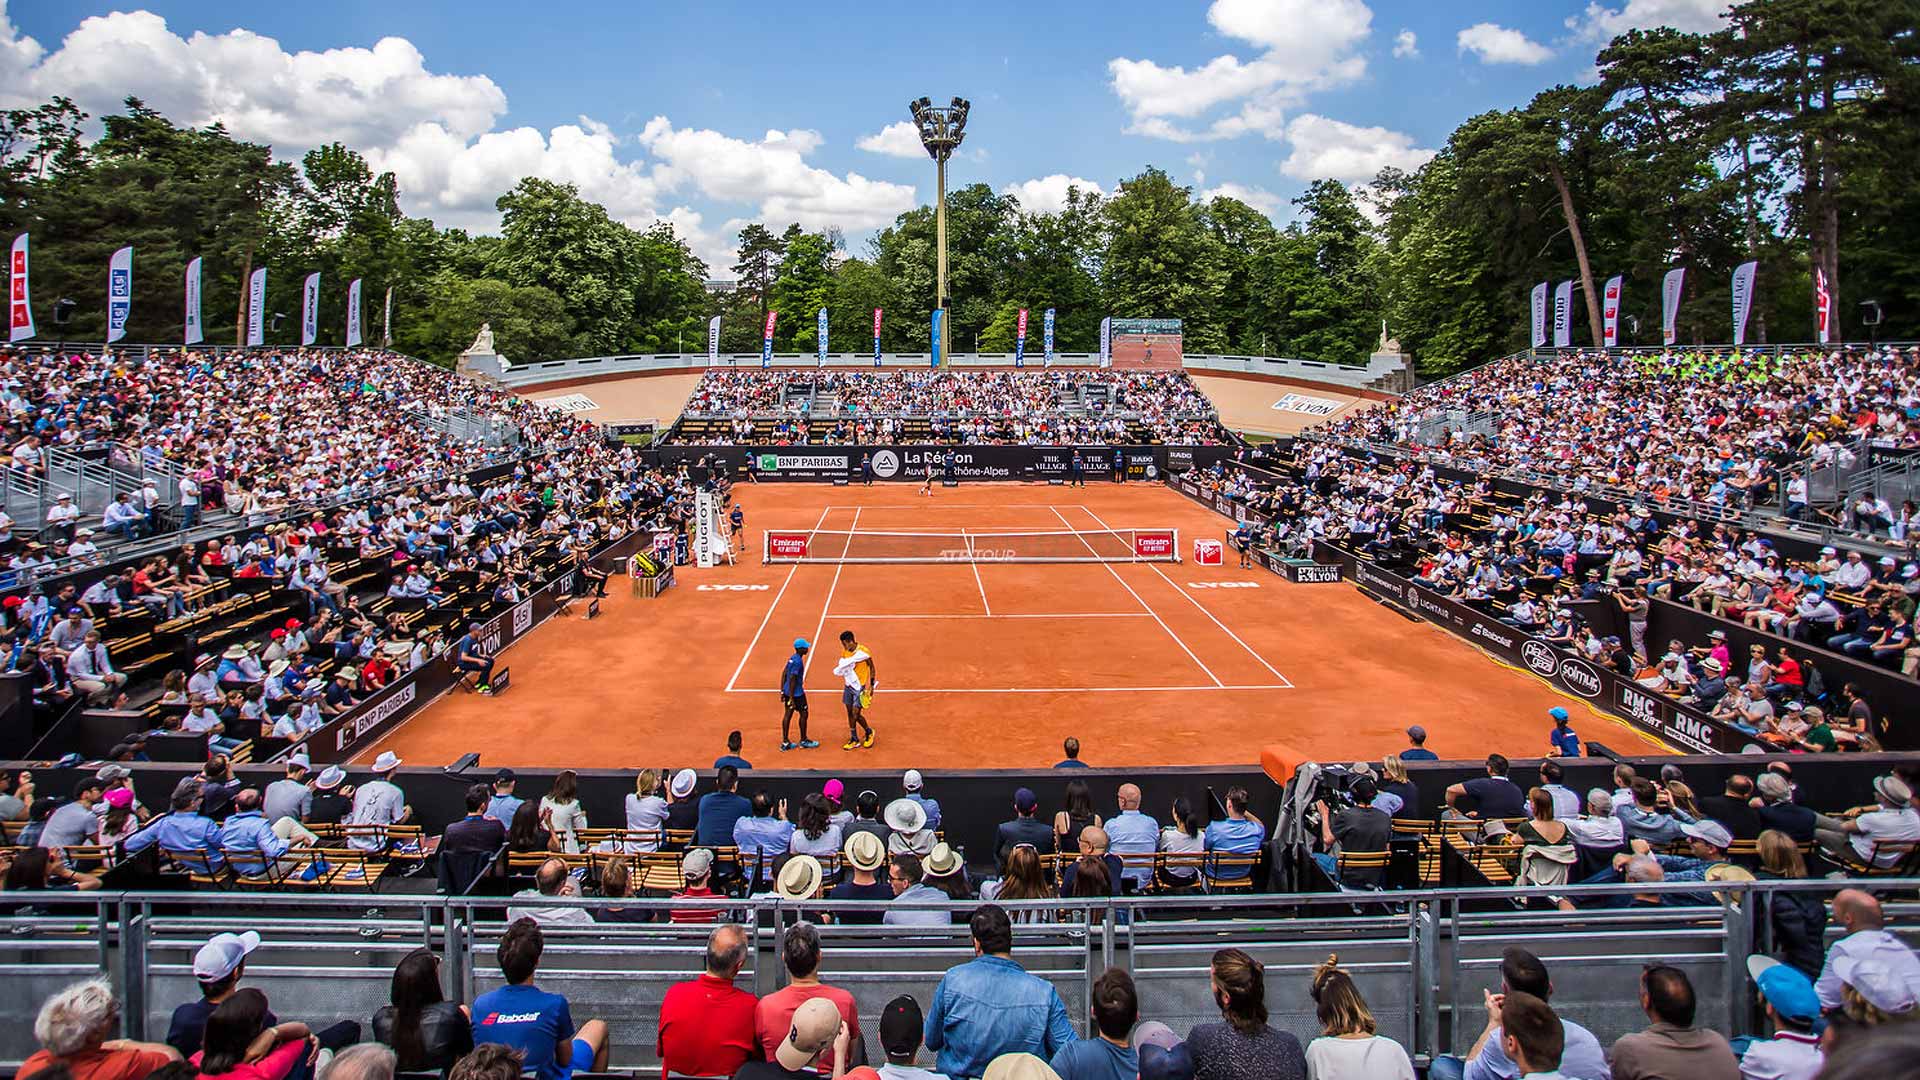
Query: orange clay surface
x=992 y=665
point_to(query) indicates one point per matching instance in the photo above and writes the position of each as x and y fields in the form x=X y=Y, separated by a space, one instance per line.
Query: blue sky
x=717 y=113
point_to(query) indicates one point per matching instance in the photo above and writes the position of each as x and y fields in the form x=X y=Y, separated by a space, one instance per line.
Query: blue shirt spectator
x=503 y=806
x=1131 y=832
x=990 y=1006
x=250 y=843
x=719 y=810
x=1239 y=833
x=182 y=830
x=913 y=782
x=531 y=1021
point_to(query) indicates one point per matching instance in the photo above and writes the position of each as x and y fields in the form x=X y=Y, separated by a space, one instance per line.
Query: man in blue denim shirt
x=990 y=1006
x=183 y=829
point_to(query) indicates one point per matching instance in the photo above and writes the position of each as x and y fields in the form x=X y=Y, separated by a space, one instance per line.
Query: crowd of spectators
x=1046 y=407
x=1722 y=428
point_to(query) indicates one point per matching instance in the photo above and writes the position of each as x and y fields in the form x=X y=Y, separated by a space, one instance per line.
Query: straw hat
x=799 y=879
x=942 y=860
x=865 y=851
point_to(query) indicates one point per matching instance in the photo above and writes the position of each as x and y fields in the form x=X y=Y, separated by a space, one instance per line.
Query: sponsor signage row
x=1294 y=570
x=975 y=463
x=1657 y=714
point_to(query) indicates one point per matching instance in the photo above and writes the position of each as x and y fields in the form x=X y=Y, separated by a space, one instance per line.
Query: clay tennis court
x=991 y=664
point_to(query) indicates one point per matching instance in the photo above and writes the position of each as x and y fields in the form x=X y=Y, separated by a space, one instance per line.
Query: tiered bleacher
x=1048 y=407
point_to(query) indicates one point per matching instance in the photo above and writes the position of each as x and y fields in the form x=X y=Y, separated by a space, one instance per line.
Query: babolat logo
x=1482 y=630
x=510 y=1018
x=1539 y=656
x=1580 y=677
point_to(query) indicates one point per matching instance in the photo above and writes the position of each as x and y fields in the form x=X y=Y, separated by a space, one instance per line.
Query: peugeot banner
x=1670 y=287
x=119 y=293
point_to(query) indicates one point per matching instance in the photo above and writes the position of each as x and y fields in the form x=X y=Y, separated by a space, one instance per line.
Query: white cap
x=912 y=780
x=222 y=953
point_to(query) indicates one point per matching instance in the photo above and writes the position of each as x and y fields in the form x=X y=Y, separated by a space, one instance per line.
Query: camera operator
x=1358 y=828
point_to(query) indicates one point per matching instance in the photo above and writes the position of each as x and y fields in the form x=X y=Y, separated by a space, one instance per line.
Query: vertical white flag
x=310 y=309
x=713 y=341
x=822 y=338
x=353 y=312
x=19 y=297
x=1822 y=304
x=386 y=322
x=190 y=317
x=119 y=293
x=1670 y=305
x=1742 y=299
x=1563 y=315
x=257 y=307
x=1106 y=342
x=1610 y=312
x=1539 y=315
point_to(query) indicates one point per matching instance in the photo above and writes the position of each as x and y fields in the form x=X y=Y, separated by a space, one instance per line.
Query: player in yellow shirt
x=856 y=667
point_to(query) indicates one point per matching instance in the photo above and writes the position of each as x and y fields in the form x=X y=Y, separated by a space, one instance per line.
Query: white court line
x=1136 y=597
x=977 y=615
x=1041 y=689
x=976 y=579
x=831 y=586
x=1189 y=595
x=755 y=640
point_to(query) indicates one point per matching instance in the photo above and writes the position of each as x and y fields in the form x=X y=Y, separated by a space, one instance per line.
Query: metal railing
x=1419 y=957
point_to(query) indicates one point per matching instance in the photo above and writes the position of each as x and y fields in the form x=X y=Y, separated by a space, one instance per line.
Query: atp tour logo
x=1538 y=656
x=886 y=464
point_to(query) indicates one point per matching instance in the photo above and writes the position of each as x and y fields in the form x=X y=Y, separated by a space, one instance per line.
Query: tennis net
x=1063 y=546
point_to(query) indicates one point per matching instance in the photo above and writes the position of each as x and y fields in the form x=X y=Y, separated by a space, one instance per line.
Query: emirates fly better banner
x=353 y=312
x=1670 y=305
x=1539 y=315
x=119 y=293
x=190 y=318
x=1742 y=299
x=257 y=307
x=310 y=310
x=19 y=300
x=1563 y=315
x=1610 y=313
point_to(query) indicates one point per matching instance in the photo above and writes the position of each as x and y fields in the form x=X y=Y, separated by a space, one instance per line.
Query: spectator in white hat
x=683 y=810
x=911 y=835
x=1857 y=837
x=379 y=802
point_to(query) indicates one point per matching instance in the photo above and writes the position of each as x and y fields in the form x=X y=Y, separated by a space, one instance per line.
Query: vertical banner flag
x=1563 y=315
x=386 y=321
x=353 y=312
x=713 y=341
x=310 y=310
x=876 y=337
x=1020 y=340
x=19 y=299
x=257 y=307
x=1822 y=304
x=190 y=321
x=1742 y=299
x=1106 y=342
x=766 y=341
x=936 y=337
x=1610 y=312
x=1539 y=315
x=1046 y=336
x=823 y=337
x=119 y=293
x=1670 y=305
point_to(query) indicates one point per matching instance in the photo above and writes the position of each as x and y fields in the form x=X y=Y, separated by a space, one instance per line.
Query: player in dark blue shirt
x=793 y=696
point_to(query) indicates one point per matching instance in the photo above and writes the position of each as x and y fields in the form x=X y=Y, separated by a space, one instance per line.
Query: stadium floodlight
x=942 y=128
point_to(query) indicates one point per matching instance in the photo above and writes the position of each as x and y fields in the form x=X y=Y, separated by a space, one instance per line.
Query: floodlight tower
x=941 y=129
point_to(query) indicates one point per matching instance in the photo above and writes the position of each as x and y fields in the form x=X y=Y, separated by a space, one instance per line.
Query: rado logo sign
x=1539 y=656
x=1580 y=677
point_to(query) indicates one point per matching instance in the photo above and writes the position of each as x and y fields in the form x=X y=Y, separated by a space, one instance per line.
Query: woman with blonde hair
x=1348 y=1048
x=1799 y=919
x=1394 y=781
x=646 y=813
x=1683 y=800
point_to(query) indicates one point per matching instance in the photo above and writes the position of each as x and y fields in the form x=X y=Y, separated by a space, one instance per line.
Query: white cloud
x=1405 y=44
x=900 y=139
x=1306 y=45
x=772 y=173
x=1259 y=198
x=1495 y=44
x=1048 y=194
x=1324 y=148
x=1601 y=24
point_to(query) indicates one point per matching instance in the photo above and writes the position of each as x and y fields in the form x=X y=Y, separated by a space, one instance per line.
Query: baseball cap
x=696 y=863
x=504 y=776
x=1416 y=733
x=1881 y=986
x=900 y=1023
x=683 y=781
x=1155 y=1033
x=120 y=798
x=834 y=790
x=912 y=780
x=1787 y=989
x=113 y=771
x=222 y=953
x=1024 y=800
x=801 y=643
x=1711 y=832
x=815 y=1024
x=1557 y=713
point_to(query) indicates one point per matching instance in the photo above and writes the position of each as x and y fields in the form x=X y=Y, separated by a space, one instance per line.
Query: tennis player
x=927 y=488
x=793 y=697
x=856 y=666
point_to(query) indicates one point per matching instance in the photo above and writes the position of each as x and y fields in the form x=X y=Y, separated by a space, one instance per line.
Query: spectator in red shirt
x=774 y=1016
x=72 y=1029
x=706 y=1024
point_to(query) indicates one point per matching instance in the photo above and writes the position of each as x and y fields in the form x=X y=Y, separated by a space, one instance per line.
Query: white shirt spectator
x=1861 y=945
